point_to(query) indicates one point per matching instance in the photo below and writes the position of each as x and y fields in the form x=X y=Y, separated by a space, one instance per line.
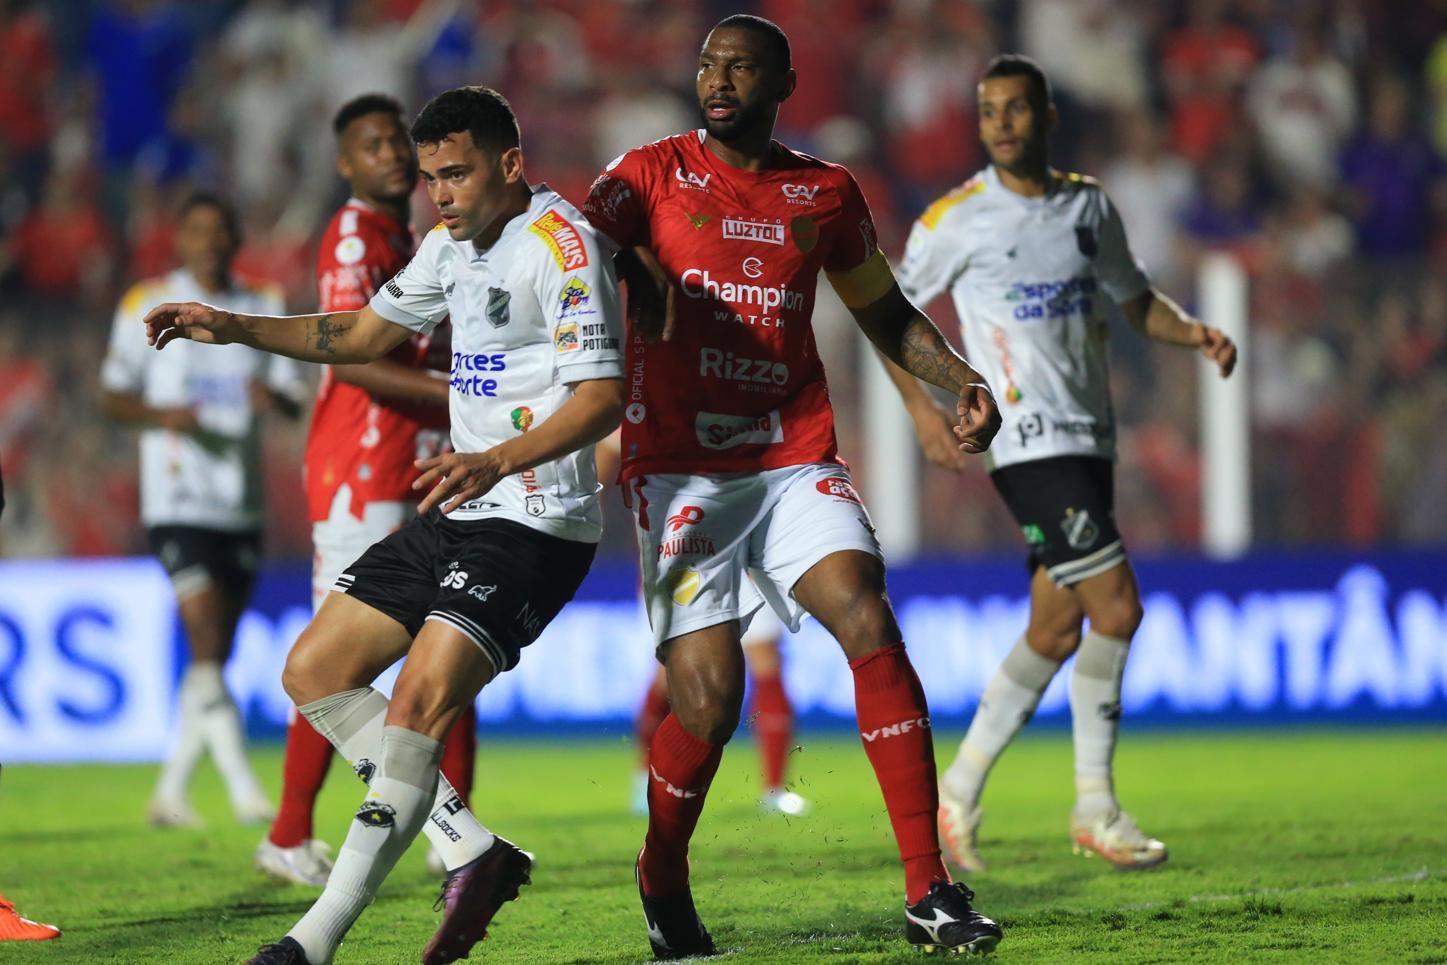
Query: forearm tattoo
x=925 y=354
x=325 y=333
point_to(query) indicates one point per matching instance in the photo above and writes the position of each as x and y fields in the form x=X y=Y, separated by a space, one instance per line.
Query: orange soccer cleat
x=14 y=928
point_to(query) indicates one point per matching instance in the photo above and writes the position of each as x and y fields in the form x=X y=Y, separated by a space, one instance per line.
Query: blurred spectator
x=1393 y=179
x=1206 y=64
x=27 y=70
x=1317 y=239
x=63 y=248
x=635 y=109
x=1223 y=214
x=1303 y=106
x=1092 y=49
x=1151 y=187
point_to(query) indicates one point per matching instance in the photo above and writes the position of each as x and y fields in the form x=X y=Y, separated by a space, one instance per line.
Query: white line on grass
x=1421 y=874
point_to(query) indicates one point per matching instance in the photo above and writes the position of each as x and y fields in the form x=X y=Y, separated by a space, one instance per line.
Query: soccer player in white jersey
x=200 y=414
x=507 y=529
x=1030 y=255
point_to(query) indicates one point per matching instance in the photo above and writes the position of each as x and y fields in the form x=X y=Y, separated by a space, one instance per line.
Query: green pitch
x=1288 y=847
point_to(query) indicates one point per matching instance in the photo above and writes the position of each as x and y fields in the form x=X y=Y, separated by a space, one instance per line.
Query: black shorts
x=1065 y=505
x=496 y=581
x=196 y=557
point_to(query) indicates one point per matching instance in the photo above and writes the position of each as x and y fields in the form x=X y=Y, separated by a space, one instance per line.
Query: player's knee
x=708 y=705
x=1119 y=618
x=1054 y=642
x=427 y=708
x=313 y=670
x=864 y=623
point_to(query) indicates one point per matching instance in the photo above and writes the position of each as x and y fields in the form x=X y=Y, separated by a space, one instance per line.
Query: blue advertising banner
x=90 y=650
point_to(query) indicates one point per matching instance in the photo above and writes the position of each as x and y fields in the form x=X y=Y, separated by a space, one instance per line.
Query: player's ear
x=787 y=84
x=510 y=162
x=344 y=167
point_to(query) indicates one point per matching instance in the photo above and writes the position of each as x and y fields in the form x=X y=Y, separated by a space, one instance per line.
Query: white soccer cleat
x=253 y=810
x=172 y=812
x=309 y=863
x=1114 y=835
x=960 y=832
x=787 y=803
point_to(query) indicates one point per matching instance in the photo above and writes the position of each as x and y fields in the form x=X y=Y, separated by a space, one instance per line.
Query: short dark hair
x=1018 y=65
x=778 y=40
x=205 y=198
x=481 y=111
x=363 y=105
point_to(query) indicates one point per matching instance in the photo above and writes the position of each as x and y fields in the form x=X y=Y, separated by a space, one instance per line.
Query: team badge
x=350 y=250
x=498 y=300
x=1079 y=529
x=697 y=220
x=686 y=584
x=1085 y=240
x=534 y=504
x=522 y=418
x=806 y=233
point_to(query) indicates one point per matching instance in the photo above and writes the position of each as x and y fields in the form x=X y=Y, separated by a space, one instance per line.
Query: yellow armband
x=865 y=284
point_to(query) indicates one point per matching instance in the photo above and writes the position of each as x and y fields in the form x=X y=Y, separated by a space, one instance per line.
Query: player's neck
x=212 y=284
x=398 y=209
x=518 y=203
x=751 y=153
x=1032 y=181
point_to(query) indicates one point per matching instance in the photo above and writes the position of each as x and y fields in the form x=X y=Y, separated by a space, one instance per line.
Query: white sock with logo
x=1095 y=713
x=219 y=720
x=394 y=810
x=1007 y=703
x=352 y=720
x=190 y=741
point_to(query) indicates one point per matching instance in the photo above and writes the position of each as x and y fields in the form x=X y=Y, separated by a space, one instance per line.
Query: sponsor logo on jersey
x=687 y=516
x=684 y=585
x=718 y=364
x=806 y=233
x=716 y=430
x=752 y=268
x=606 y=196
x=1030 y=426
x=528 y=618
x=698 y=283
x=564 y=240
x=395 y=290
x=1034 y=535
x=498 y=302
x=690 y=180
x=574 y=298
x=475 y=384
x=1080 y=530
x=350 y=250
x=566 y=338
x=800 y=193
x=481 y=593
x=697 y=220
x=740 y=229
x=840 y=489
x=1053 y=299
x=635 y=413
x=522 y=418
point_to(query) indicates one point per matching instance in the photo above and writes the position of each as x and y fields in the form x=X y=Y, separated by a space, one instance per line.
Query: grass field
x=1289 y=847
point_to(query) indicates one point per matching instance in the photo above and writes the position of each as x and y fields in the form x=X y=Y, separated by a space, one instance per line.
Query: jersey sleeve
x=932 y=262
x=854 y=265
x=124 y=368
x=616 y=201
x=1120 y=274
x=344 y=265
x=414 y=298
x=578 y=290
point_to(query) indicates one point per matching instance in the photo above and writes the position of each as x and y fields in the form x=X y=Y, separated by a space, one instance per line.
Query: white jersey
x=1028 y=276
x=531 y=315
x=211 y=479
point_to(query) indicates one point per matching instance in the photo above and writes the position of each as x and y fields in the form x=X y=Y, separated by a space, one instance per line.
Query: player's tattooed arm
x=337 y=337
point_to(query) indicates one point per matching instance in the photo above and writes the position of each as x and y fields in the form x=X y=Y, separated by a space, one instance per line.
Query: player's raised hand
x=1217 y=346
x=651 y=295
x=934 y=428
x=979 y=418
x=456 y=477
x=194 y=320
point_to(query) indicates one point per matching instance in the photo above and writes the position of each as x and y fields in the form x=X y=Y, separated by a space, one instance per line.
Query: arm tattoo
x=326 y=333
x=924 y=353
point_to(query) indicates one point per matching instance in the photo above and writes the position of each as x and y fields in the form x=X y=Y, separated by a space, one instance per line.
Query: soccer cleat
x=16 y=928
x=306 y=864
x=944 y=921
x=960 y=832
x=1114 y=835
x=288 y=951
x=674 y=928
x=787 y=803
x=253 y=810
x=172 y=812
x=472 y=895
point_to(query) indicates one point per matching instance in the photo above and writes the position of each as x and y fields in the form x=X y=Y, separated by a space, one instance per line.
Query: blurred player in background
x=506 y=533
x=729 y=449
x=201 y=413
x=1030 y=256
x=370 y=423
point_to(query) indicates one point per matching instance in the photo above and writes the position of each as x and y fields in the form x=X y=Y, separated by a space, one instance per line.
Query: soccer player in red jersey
x=371 y=421
x=730 y=461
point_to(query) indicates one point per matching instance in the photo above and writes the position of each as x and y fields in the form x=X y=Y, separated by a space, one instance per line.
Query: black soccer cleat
x=674 y=928
x=944 y=921
x=472 y=895
x=288 y=951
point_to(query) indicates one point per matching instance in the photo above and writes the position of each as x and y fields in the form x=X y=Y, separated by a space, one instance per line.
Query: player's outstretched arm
x=1157 y=316
x=594 y=411
x=336 y=337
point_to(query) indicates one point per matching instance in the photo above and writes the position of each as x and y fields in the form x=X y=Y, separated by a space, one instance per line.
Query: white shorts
x=341 y=538
x=702 y=537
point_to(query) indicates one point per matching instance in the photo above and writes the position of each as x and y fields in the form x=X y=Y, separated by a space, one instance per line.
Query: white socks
x=211 y=721
x=1095 y=712
x=1007 y=703
x=352 y=720
x=395 y=809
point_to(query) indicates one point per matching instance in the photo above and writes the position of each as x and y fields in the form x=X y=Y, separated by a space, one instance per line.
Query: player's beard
x=746 y=120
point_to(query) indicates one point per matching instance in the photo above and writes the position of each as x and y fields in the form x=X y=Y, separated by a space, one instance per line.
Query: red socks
x=680 y=769
x=459 y=753
x=894 y=726
x=650 y=715
x=773 y=722
x=308 y=755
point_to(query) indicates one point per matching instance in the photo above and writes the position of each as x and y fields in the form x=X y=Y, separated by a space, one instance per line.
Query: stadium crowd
x=1306 y=138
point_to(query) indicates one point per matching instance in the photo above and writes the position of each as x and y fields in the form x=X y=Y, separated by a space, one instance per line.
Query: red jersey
x=740 y=387
x=365 y=442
